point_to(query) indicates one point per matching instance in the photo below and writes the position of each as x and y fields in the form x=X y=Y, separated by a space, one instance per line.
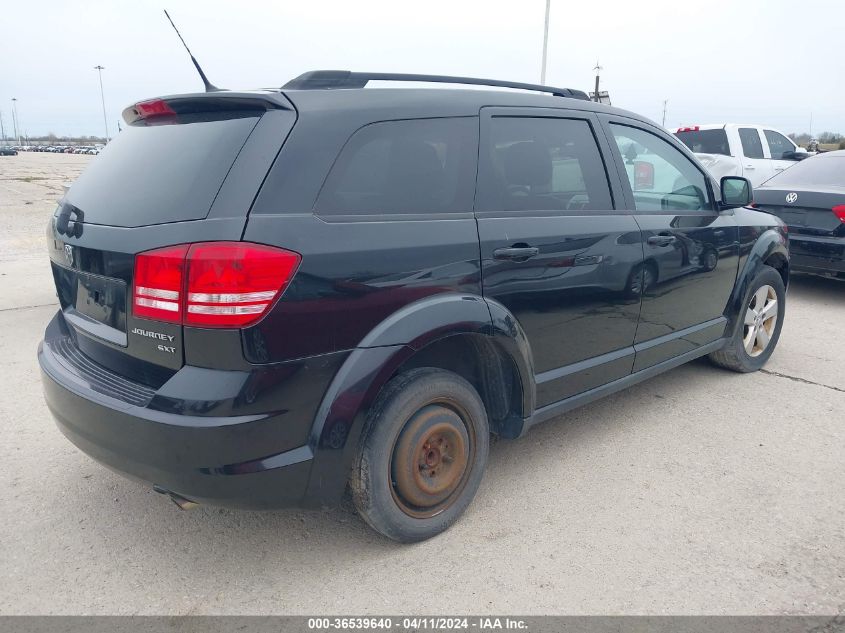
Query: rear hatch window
x=816 y=171
x=706 y=141
x=158 y=173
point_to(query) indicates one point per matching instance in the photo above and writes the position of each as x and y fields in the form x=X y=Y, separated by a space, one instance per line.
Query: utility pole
x=598 y=69
x=100 y=70
x=545 y=43
x=2 y=129
x=15 y=118
x=665 y=101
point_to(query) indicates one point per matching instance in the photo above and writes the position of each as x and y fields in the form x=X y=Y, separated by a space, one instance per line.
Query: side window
x=536 y=163
x=751 y=145
x=778 y=144
x=401 y=167
x=661 y=177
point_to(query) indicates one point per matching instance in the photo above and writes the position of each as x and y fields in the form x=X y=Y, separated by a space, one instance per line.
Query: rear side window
x=751 y=145
x=152 y=174
x=706 y=141
x=543 y=164
x=404 y=167
x=778 y=144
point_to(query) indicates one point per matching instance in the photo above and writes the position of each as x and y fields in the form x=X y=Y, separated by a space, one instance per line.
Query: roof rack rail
x=325 y=79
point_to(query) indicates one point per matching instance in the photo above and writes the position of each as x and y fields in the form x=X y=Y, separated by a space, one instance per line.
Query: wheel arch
x=769 y=249
x=476 y=338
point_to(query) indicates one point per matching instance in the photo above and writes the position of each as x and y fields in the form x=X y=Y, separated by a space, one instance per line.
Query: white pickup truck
x=733 y=149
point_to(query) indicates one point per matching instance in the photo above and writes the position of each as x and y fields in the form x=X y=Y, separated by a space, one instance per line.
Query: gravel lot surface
x=700 y=491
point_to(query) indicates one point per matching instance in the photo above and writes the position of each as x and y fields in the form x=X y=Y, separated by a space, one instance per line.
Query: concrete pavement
x=700 y=491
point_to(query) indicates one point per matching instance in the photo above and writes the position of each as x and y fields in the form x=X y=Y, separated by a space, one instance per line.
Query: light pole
x=100 y=70
x=15 y=118
x=2 y=128
x=545 y=43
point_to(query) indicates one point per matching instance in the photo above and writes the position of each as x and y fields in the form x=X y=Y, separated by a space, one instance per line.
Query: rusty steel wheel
x=423 y=452
x=430 y=459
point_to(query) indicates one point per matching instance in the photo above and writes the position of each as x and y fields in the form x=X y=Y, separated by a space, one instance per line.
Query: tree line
x=825 y=138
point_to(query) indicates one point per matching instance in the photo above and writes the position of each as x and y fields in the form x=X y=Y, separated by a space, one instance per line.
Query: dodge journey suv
x=268 y=298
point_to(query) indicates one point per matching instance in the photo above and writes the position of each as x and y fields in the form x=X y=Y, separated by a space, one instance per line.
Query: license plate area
x=93 y=304
x=102 y=299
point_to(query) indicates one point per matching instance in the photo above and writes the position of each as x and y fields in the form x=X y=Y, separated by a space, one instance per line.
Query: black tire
x=734 y=355
x=392 y=487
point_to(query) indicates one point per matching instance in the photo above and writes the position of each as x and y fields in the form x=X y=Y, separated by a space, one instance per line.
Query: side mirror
x=799 y=154
x=736 y=192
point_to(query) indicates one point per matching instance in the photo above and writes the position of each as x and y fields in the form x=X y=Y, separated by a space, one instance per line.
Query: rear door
x=756 y=165
x=554 y=248
x=691 y=250
x=187 y=174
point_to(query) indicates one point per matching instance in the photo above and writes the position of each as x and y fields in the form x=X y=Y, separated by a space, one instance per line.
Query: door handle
x=749 y=167
x=660 y=240
x=516 y=253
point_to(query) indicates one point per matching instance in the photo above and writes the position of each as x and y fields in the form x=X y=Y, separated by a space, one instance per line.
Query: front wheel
x=423 y=453
x=761 y=320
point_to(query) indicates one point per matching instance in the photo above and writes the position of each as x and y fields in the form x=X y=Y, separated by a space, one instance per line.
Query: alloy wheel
x=761 y=317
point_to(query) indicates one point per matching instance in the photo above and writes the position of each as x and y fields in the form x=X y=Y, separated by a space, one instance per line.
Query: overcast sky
x=774 y=62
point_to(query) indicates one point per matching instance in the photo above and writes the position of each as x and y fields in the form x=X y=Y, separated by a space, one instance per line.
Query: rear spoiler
x=204 y=103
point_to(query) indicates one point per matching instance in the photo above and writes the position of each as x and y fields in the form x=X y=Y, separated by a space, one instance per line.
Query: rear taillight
x=692 y=128
x=159 y=279
x=211 y=284
x=839 y=211
x=232 y=284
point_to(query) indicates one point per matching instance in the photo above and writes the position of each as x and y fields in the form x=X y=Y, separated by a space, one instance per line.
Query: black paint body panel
x=272 y=415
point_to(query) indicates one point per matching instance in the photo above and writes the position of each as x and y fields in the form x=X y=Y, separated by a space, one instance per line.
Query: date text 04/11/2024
x=427 y=623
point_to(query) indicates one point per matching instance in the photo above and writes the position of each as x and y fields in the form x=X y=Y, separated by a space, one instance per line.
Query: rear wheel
x=423 y=454
x=761 y=321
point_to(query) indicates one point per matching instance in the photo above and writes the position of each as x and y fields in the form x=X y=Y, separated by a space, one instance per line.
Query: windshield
x=151 y=174
x=825 y=171
x=706 y=141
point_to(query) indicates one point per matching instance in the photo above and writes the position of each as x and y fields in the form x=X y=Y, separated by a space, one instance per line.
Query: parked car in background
x=342 y=286
x=810 y=199
x=755 y=152
x=6 y=150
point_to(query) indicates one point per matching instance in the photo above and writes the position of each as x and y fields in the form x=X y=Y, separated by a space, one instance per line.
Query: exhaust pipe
x=179 y=500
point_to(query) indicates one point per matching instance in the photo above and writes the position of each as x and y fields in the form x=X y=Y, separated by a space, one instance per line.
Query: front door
x=690 y=249
x=554 y=248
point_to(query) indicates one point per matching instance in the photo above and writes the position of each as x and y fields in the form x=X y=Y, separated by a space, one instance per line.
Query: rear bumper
x=817 y=254
x=252 y=459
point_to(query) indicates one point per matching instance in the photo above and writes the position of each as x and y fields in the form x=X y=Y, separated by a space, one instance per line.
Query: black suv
x=268 y=296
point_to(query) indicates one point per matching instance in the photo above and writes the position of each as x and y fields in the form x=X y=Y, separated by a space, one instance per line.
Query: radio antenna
x=209 y=87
